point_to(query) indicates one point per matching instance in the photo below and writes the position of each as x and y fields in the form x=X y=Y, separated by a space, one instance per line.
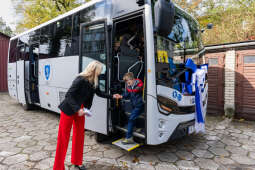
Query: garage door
x=245 y=85
x=215 y=83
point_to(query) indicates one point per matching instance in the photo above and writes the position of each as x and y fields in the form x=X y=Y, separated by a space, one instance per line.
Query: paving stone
x=252 y=155
x=6 y=154
x=229 y=141
x=22 y=138
x=130 y=158
x=184 y=155
x=223 y=160
x=164 y=166
x=94 y=153
x=219 y=151
x=5 y=139
x=39 y=156
x=15 y=159
x=183 y=164
x=7 y=146
x=202 y=153
x=220 y=133
x=167 y=157
x=241 y=159
x=113 y=153
x=237 y=150
x=220 y=127
x=218 y=144
x=45 y=164
x=142 y=167
x=32 y=149
x=148 y=159
x=107 y=161
x=250 y=134
x=50 y=147
x=249 y=147
x=213 y=138
x=241 y=136
x=3 y=167
x=200 y=145
x=26 y=143
x=22 y=166
x=207 y=164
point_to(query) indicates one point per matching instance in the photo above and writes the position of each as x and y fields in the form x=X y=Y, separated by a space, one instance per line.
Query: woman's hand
x=81 y=112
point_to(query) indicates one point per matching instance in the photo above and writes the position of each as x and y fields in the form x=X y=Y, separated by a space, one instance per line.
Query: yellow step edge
x=136 y=146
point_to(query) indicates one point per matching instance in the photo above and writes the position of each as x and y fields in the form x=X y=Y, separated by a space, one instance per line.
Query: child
x=134 y=90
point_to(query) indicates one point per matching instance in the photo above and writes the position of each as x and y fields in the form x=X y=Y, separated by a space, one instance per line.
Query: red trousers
x=65 y=126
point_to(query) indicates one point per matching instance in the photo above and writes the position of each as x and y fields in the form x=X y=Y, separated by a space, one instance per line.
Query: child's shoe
x=127 y=141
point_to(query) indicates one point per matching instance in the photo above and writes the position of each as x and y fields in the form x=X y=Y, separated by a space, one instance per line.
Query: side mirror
x=164 y=12
x=209 y=26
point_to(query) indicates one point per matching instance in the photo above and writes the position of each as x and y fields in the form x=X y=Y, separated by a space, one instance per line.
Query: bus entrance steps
x=136 y=134
x=127 y=147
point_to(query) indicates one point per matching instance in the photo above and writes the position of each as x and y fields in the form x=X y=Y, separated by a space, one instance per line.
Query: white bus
x=44 y=60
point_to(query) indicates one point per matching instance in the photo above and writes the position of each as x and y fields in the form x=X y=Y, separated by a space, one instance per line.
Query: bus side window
x=75 y=34
x=13 y=51
x=45 y=41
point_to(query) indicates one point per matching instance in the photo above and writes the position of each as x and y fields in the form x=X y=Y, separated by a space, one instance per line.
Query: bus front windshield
x=183 y=42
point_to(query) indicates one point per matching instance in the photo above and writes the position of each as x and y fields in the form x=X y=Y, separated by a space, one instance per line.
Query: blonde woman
x=79 y=95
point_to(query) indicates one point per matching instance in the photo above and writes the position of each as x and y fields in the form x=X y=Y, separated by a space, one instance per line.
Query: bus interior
x=128 y=52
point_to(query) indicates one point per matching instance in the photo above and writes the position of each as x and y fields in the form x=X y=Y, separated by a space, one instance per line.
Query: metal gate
x=216 y=63
x=245 y=85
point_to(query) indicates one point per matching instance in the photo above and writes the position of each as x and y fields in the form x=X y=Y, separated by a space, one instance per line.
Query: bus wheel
x=101 y=137
x=27 y=106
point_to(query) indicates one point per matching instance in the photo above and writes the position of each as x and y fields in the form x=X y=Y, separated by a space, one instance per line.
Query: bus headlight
x=166 y=106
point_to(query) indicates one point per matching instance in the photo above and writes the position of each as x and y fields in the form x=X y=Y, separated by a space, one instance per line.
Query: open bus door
x=31 y=76
x=20 y=81
x=93 y=46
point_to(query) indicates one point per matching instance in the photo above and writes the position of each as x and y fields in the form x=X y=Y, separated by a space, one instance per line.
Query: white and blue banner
x=199 y=76
x=197 y=84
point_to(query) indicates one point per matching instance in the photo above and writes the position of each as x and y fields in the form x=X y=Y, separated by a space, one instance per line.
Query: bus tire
x=27 y=107
x=100 y=138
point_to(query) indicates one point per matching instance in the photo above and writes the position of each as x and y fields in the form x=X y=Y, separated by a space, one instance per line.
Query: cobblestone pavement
x=28 y=141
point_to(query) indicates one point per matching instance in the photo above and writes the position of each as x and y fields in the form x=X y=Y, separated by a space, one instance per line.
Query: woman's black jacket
x=80 y=92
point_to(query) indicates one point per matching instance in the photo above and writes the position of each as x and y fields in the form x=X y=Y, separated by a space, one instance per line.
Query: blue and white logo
x=177 y=95
x=47 y=71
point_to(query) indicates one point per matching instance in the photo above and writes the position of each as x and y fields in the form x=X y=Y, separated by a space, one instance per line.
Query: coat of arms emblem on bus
x=47 y=71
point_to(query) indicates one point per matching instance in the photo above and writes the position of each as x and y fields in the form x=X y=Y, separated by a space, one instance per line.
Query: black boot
x=81 y=167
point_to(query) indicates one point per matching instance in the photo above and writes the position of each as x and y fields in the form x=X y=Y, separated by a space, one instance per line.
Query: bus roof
x=73 y=11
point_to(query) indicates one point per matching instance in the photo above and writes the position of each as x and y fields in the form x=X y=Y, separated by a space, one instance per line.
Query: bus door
x=32 y=78
x=94 y=46
x=20 y=81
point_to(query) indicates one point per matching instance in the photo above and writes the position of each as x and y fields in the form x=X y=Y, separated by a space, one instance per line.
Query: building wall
x=229 y=98
x=4 y=44
x=238 y=94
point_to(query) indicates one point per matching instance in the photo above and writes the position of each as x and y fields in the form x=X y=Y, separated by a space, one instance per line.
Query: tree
x=4 y=28
x=234 y=20
x=35 y=12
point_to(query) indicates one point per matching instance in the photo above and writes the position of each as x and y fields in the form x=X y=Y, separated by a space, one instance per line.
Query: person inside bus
x=129 y=41
x=133 y=47
x=134 y=91
x=79 y=95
